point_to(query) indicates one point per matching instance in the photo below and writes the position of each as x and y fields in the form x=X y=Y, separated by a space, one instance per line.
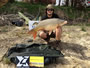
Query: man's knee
x=58 y=29
x=43 y=34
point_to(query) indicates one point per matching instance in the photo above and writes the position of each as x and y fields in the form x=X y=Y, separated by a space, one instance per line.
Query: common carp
x=47 y=24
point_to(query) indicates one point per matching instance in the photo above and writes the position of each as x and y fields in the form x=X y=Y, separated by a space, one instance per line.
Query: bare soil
x=75 y=45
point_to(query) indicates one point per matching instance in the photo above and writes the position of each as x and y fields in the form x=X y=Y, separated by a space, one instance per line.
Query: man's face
x=49 y=11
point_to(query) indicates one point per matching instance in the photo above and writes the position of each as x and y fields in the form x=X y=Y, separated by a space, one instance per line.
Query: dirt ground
x=75 y=45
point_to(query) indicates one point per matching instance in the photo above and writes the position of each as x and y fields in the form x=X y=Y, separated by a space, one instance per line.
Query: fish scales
x=48 y=24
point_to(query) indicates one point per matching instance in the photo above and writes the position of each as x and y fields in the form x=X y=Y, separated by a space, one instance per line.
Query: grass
x=6 y=60
x=74 y=13
x=33 y=9
x=83 y=29
x=22 y=7
x=5 y=29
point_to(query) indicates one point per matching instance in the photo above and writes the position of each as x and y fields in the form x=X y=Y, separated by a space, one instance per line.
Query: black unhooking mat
x=33 y=49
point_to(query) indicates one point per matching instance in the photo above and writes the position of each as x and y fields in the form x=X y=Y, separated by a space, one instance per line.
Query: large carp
x=47 y=24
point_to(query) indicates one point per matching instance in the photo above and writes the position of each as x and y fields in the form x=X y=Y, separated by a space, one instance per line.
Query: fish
x=48 y=25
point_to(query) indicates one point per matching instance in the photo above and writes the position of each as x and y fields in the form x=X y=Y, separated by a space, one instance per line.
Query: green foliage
x=22 y=7
x=6 y=60
x=70 y=12
x=83 y=28
x=73 y=13
x=5 y=29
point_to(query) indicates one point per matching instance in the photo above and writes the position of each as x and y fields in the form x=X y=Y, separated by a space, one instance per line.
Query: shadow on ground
x=75 y=50
x=71 y=49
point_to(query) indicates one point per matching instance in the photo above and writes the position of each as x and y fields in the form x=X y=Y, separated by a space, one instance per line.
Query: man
x=46 y=35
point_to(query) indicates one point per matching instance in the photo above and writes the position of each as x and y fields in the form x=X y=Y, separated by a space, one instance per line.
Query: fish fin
x=30 y=32
x=65 y=22
x=34 y=33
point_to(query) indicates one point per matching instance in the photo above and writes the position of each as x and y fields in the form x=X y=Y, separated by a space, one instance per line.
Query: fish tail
x=65 y=22
x=34 y=33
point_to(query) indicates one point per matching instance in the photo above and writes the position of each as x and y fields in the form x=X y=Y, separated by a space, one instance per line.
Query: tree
x=67 y=2
x=72 y=3
x=11 y=1
x=75 y=3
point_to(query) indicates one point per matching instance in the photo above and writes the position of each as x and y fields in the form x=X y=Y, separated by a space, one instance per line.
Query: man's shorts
x=52 y=35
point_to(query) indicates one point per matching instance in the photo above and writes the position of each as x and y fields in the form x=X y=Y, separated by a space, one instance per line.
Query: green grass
x=83 y=29
x=74 y=13
x=6 y=60
x=70 y=12
x=22 y=7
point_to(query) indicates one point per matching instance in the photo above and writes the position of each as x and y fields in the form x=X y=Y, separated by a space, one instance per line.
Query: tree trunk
x=59 y=2
x=67 y=2
x=40 y=1
x=11 y=1
x=53 y=1
x=72 y=3
x=75 y=3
